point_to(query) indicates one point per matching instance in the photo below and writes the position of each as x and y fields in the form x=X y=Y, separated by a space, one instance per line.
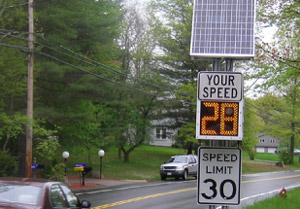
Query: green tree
x=172 y=23
x=8 y=164
x=186 y=137
x=278 y=116
x=71 y=43
x=253 y=125
x=132 y=108
x=13 y=73
x=65 y=100
x=278 y=63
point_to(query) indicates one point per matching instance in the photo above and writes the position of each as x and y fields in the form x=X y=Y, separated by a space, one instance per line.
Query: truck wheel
x=162 y=177
x=185 y=175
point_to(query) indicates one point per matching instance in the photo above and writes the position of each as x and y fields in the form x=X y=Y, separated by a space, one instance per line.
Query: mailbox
x=79 y=169
x=83 y=170
x=87 y=169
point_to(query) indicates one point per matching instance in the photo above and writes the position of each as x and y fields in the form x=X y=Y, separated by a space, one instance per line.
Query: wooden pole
x=29 y=91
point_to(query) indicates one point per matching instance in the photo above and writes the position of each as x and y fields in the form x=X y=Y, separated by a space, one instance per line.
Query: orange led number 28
x=225 y=113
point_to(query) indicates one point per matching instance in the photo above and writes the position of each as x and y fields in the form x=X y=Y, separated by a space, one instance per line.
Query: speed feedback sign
x=219 y=176
x=220 y=106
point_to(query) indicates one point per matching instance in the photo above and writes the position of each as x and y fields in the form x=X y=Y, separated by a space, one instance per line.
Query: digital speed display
x=219 y=118
x=220 y=106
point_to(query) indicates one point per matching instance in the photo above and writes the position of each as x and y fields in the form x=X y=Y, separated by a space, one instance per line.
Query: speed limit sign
x=219 y=176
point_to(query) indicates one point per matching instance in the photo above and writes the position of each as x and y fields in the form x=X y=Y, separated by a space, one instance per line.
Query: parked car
x=297 y=151
x=179 y=166
x=27 y=193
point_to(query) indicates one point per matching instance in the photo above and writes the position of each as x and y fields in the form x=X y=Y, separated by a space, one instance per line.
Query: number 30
x=213 y=188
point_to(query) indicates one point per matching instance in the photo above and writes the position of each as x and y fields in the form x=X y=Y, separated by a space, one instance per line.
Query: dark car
x=179 y=166
x=37 y=194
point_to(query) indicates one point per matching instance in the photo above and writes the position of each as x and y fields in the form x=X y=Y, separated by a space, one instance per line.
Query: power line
x=24 y=49
x=110 y=69
x=13 y=5
x=96 y=75
x=103 y=78
x=100 y=65
x=109 y=80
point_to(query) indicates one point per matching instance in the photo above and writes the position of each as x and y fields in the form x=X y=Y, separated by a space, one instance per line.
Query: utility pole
x=28 y=160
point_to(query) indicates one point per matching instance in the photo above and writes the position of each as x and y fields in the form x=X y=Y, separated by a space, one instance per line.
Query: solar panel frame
x=223 y=29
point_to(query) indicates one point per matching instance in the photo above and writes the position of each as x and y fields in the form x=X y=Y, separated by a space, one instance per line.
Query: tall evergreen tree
x=172 y=22
x=68 y=91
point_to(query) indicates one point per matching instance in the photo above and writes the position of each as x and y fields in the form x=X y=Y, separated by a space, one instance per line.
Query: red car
x=37 y=194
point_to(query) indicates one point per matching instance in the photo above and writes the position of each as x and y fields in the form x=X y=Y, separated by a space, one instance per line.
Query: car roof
x=30 y=181
x=182 y=155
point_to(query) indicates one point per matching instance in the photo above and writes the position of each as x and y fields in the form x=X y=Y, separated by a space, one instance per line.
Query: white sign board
x=220 y=106
x=220 y=86
x=219 y=176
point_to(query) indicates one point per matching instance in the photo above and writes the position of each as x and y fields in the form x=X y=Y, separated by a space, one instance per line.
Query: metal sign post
x=221 y=31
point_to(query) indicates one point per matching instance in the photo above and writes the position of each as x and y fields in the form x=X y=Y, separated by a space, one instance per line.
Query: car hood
x=18 y=206
x=174 y=164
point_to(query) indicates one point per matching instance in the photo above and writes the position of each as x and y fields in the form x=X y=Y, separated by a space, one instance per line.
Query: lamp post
x=65 y=155
x=101 y=154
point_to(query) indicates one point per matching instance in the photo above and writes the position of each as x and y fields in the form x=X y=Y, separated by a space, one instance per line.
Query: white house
x=267 y=144
x=162 y=133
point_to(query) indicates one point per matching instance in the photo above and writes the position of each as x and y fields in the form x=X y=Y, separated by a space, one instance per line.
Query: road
x=182 y=194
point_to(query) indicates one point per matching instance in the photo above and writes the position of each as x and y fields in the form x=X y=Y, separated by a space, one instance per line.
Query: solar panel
x=223 y=28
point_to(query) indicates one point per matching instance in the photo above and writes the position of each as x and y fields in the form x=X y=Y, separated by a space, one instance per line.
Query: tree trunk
x=292 y=145
x=89 y=155
x=126 y=157
x=6 y=142
x=119 y=153
x=190 y=148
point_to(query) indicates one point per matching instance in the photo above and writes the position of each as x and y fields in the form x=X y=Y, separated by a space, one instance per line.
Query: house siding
x=267 y=144
x=161 y=133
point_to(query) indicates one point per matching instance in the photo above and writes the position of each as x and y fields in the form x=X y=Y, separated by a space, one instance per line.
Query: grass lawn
x=292 y=201
x=265 y=162
x=145 y=162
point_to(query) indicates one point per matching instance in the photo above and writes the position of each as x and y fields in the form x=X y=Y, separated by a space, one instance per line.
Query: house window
x=158 y=133
x=261 y=140
x=164 y=133
x=161 y=133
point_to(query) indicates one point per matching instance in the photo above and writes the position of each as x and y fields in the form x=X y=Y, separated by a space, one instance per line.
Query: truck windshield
x=178 y=159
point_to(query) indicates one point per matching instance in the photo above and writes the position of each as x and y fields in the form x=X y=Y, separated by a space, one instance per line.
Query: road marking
x=143 y=198
x=269 y=179
x=181 y=190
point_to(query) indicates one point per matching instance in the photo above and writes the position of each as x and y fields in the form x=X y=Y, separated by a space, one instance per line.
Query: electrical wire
x=13 y=5
x=109 y=80
x=110 y=69
x=165 y=99
x=100 y=65
x=25 y=49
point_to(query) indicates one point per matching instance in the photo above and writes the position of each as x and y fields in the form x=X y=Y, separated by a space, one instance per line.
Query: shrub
x=251 y=154
x=285 y=158
x=8 y=164
x=58 y=173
